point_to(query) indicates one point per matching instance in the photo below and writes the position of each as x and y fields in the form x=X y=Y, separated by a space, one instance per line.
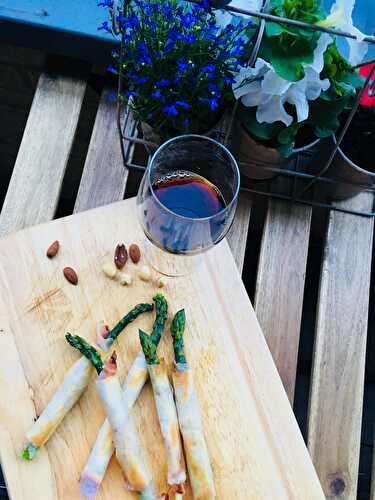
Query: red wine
x=189 y=195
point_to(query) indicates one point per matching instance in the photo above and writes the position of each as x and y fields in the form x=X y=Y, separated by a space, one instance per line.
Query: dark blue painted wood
x=363 y=18
x=67 y=27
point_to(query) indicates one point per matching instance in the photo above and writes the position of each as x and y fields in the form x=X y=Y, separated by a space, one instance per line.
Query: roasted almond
x=70 y=275
x=53 y=249
x=121 y=256
x=135 y=253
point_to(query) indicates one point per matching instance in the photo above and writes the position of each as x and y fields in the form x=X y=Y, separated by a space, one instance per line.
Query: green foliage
x=288 y=47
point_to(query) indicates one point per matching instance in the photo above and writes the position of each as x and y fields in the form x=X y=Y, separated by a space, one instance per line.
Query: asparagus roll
x=97 y=463
x=167 y=414
x=128 y=448
x=71 y=389
x=189 y=417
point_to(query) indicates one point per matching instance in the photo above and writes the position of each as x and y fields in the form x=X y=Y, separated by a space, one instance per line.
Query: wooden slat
x=280 y=284
x=334 y=422
x=43 y=155
x=237 y=235
x=104 y=175
x=372 y=492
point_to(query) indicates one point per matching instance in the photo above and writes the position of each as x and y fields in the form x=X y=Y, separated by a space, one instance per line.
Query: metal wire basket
x=295 y=183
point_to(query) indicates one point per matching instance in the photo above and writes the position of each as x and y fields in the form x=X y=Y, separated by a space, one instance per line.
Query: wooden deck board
x=335 y=416
x=44 y=152
x=280 y=284
x=237 y=236
x=104 y=176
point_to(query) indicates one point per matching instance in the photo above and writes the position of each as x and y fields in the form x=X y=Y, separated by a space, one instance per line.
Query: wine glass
x=186 y=201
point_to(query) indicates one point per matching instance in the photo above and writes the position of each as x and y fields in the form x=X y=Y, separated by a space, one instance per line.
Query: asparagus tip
x=29 y=452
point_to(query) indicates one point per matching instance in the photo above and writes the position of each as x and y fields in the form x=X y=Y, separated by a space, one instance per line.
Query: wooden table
x=338 y=367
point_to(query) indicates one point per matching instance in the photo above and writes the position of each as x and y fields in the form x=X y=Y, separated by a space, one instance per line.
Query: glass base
x=170 y=264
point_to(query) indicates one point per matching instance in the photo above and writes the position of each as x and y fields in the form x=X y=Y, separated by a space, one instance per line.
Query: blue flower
x=167 y=11
x=170 y=110
x=138 y=80
x=157 y=94
x=214 y=90
x=105 y=27
x=183 y=104
x=237 y=51
x=115 y=53
x=112 y=69
x=106 y=3
x=162 y=83
x=188 y=19
x=129 y=22
x=189 y=38
x=111 y=96
x=131 y=93
x=209 y=68
x=182 y=65
x=228 y=80
x=212 y=102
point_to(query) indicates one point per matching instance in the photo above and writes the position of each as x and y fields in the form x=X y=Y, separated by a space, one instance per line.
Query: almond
x=53 y=249
x=135 y=253
x=121 y=256
x=70 y=275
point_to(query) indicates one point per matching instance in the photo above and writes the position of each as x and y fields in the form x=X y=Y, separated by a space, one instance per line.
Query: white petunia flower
x=341 y=17
x=261 y=86
x=223 y=17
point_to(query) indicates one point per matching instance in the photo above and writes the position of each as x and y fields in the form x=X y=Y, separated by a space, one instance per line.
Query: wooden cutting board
x=254 y=442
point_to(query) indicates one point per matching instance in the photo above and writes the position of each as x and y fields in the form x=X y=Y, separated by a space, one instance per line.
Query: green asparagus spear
x=29 y=452
x=131 y=316
x=87 y=350
x=177 y=331
x=161 y=308
x=149 y=348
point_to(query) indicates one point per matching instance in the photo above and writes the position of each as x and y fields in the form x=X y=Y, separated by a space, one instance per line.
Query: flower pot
x=351 y=179
x=256 y=159
x=151 y=135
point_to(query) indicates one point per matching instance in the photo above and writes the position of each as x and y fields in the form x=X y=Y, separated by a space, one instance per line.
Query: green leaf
x=274 y=29
x=287 y=59
x=288 y=135
x=285 y=150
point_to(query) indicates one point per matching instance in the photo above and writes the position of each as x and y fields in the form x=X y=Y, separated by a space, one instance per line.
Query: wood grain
x=334 y=422
x=237 y=236
x=104 y=176
x=254 y=442
x=280 y=284
x=44 y=152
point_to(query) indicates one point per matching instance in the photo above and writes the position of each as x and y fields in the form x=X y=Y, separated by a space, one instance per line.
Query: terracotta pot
x=255 y=159
x=344 y=170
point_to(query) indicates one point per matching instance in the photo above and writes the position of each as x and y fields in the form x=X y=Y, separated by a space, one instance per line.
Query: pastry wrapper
x=129 y=451
x=190 y=421
x=167 y=414
x=75 y=382
x=97 y=463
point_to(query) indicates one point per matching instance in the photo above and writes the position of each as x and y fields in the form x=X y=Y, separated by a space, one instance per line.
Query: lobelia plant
x=177 y=64
x=300 y=81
